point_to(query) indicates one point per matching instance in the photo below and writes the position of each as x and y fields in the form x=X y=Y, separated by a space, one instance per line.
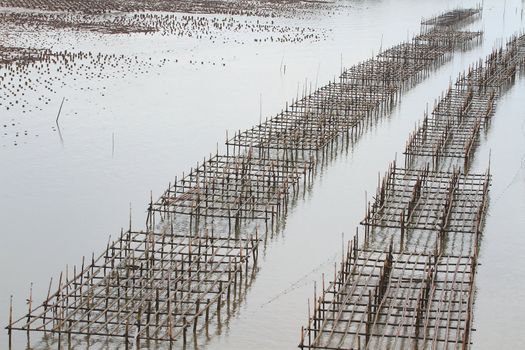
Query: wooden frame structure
x=410 y=282
x=159 y=283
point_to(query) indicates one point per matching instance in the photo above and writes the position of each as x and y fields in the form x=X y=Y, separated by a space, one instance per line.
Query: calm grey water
x=62 y=195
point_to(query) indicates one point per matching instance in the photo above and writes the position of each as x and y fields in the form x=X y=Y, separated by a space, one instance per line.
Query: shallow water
x=61 y=195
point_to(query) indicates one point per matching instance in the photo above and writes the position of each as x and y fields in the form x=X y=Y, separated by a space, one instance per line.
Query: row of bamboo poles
x=338 y=111
x=198 y=253
x=450 y=134
x=228 y=189
x=410 y=282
